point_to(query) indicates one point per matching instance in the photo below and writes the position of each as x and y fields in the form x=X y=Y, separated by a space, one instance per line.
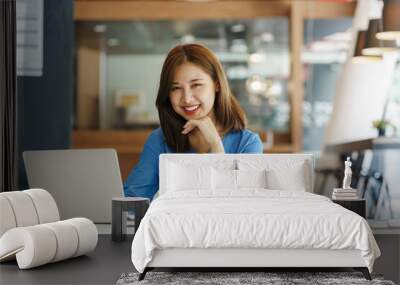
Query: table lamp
x=390 y=21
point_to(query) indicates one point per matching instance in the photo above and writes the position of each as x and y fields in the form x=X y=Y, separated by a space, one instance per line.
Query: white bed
x=247 y=210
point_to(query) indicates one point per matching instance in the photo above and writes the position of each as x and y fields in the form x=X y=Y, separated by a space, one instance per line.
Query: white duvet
x=253 y=218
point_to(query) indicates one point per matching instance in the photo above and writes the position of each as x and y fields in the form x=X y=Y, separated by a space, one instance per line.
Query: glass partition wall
x=326 y=47
x=263 y=45
x=254 y=54
x=282 y=59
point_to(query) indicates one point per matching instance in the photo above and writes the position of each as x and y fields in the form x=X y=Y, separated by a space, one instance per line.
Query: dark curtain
x=8 y=116
x=45 y=102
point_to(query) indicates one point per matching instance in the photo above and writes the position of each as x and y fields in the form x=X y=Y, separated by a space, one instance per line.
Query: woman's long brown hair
x=228 y=113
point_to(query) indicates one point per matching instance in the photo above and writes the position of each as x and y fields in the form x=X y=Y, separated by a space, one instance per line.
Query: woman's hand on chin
x=208 y=131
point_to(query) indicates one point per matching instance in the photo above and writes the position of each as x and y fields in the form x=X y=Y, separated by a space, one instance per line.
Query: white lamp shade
x=360 y=97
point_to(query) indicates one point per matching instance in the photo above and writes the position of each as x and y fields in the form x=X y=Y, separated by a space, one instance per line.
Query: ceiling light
x=188 y=38
x=113 y=42
x=237 y=28
x=239 y=46
x=267 y=37
x=374 y=46
x=256 y=58
x=391 y=21
x=100 y=28
x=256 y=85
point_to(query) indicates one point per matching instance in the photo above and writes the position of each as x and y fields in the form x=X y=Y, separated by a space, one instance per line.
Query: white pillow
x=292 y=179
x=251 y=178
x=282 y=174
x=229 y=179
x=224 y=179
x=182 y=177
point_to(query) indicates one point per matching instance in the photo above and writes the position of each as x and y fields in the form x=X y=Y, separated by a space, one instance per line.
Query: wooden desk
x=378 y=143
x=129 y=144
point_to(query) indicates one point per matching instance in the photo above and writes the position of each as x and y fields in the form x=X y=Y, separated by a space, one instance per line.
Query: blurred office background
x=315 y=76
x=300 y=69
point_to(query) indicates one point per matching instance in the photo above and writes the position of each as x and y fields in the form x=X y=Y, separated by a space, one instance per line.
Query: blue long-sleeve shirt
x=143 y=179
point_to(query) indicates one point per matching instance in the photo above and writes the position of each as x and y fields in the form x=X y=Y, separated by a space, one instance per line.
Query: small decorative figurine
x=347 y=174
x=346 y=192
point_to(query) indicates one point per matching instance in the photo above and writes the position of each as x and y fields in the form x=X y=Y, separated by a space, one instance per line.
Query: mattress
x=250 y=219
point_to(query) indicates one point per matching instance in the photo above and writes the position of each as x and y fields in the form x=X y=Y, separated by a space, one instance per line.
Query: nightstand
x=358 y=206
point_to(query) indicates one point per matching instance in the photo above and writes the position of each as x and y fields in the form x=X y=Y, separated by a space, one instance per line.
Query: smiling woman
x=198 y=114
x=192 y=96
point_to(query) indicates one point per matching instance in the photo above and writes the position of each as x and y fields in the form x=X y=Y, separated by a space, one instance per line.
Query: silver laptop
x=82 y=181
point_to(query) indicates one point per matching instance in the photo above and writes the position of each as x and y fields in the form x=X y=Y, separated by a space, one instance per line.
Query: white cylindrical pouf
x=67 y=239
x=87 y=234
x=45 y=205
x=7 y=218
x=34 y=246
x=23 y=207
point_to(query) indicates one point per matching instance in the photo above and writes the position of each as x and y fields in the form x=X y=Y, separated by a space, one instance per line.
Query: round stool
x=120 y=206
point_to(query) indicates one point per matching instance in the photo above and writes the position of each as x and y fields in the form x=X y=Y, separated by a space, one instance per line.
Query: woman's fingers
x=205 y=125
x=189 y=126
x=187 y=130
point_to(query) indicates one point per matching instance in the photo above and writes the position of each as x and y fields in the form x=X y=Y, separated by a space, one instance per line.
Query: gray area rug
x=228 y=278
